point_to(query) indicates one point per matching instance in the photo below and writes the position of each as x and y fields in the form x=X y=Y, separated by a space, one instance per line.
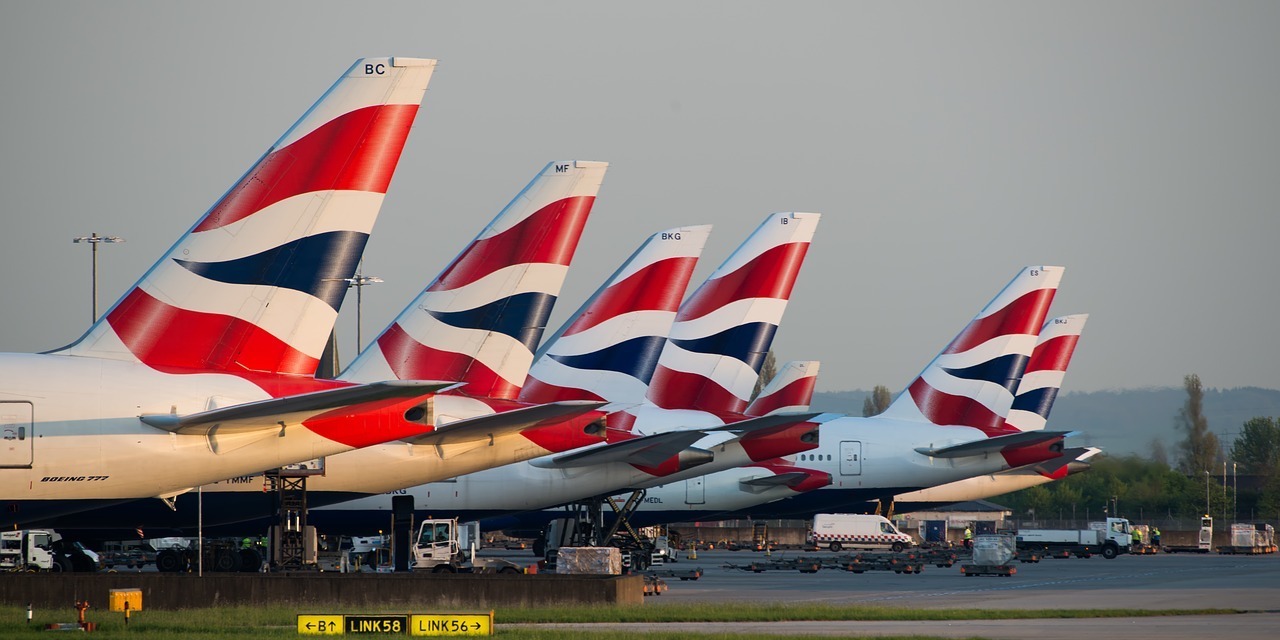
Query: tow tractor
x=445 y=546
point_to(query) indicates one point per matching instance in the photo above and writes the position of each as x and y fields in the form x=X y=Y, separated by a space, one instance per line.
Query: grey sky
x=947 y=145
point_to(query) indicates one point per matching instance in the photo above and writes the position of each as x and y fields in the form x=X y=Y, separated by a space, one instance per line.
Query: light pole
x=1206 y=492
x=94 y=240
x=359 y=281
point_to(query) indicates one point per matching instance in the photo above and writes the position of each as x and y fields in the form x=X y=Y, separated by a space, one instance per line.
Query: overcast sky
x=946 y=145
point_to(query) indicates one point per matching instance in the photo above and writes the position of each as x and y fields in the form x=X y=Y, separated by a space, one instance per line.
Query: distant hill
x=1123 y=422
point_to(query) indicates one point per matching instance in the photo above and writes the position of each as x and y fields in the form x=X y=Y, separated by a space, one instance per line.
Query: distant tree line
x=1205 y=479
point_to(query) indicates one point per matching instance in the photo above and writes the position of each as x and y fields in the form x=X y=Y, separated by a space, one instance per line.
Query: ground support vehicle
x=938 y=556
x=44 y=550
x=180 y=555
x=803 y=565
x=682 y=574
x=896 y=562
x=1110 y=538
x=1029 y=556
x=1204 y=540
x=445 y=546
x=1003 y=570
x=992 y=556
x=654 y=586
x=354 y=554
x=838 y=531
x=1250 y=540
x=131 y=554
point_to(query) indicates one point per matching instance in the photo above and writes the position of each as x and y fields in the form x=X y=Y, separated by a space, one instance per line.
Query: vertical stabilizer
x=610 y=346
x=1045 y=372
x=255 y=285
x=971 y=383
x=724 y=330
x=789 y=391
x=481 y=319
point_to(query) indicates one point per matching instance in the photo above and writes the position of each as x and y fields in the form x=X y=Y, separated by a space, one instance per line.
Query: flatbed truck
x=1109 y=539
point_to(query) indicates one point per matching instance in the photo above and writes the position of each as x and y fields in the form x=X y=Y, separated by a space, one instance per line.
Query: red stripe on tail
x=523 y=243
x=648 y=289
x=771 y=274
x=357 y=151
x=412 y=360
x=1022 y=316
x=206 y=341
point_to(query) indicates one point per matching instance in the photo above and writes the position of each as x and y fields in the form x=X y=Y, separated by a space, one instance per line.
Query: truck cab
x=29 y=550
x=1118 y=537
x=437 y=547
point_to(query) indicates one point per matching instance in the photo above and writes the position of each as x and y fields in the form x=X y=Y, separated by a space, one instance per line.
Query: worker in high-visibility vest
x=968 y=538
x=1137 y=536
x=1155 y=536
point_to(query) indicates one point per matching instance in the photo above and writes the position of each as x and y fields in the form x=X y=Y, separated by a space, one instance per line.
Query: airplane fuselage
x=72 y=430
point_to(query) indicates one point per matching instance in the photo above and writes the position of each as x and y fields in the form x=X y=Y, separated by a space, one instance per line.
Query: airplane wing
x=753 y=425
x=495 y=425
x=274 y=413
x=645 y=451
x=994 y=445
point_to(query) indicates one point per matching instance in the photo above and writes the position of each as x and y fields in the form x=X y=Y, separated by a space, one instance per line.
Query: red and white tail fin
x=791 y=390
x=971 y=383
x=1045 y=372
x=609 y=347
x=724 y=330
x=480 y=320
x=255 y=285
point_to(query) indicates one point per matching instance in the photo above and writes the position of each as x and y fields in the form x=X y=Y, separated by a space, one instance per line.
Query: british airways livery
x=204 y=368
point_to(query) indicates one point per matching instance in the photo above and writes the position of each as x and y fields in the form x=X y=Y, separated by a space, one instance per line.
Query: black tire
x=168 y=562
x=898 y=547
x=509 y=571
x=835 y=546
x=60 y=565
x=1110 y=552
x=443 y=568
x=226 y=561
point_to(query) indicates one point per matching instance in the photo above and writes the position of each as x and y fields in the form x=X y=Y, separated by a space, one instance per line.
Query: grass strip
x=281 y=621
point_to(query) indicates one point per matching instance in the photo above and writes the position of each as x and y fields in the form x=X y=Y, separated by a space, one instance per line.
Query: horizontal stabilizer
x=994 y=445
x=277 y=412
x=647 y=451
x=1076 y=456
x=496 y=425
x=746 y=427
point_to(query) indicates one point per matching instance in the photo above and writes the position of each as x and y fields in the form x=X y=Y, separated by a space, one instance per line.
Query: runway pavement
x=1160 y=582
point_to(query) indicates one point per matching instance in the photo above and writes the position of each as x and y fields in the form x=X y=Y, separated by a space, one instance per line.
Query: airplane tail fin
x=789 y=391
x=724 y=330
x=609 y=348
x=1045 y=372
x=255 y=284
x=971 y=383
x=481 y=319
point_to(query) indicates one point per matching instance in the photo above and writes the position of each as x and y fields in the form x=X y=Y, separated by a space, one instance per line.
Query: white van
x=838 y=531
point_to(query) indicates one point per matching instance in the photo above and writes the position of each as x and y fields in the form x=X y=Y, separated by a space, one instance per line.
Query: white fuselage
x=863 y=455
x=82 y=438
